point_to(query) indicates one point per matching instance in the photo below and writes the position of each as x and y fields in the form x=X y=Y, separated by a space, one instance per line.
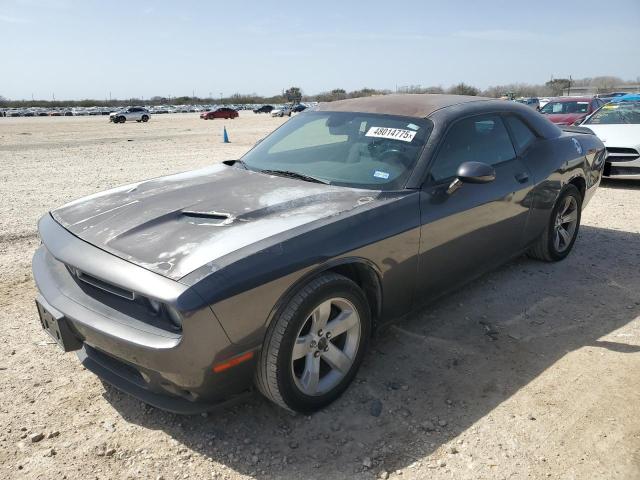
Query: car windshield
x=616 y=113
x=566 y=107
x=342 y=148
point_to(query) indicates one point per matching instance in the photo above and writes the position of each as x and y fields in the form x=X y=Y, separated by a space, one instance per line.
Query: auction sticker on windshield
x=393 y=133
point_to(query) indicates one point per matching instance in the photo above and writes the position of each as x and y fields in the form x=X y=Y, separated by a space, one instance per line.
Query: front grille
x=117 y=366
x=106 y=286
x=125 y=301
x=623 y=171
x=618 y=154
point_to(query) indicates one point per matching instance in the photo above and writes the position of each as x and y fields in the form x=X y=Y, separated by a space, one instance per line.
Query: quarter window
x=477 y=139
x=522 y=135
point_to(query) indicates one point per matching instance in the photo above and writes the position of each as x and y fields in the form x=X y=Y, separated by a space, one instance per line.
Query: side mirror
x=472 y=172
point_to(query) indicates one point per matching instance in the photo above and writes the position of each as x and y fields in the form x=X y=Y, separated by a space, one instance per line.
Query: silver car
x=139 y=114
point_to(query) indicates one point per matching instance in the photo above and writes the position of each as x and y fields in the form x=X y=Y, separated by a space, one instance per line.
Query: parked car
x=618 y=126
x=282 y=111
x=222 y=112
x=139 y=114
x=607 y=97
x=299 y=108
x=569 y=110
x=263 y=109
x=532 y=102
x=274 y=270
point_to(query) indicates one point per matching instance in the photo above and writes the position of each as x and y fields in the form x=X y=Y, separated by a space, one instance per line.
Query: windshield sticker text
x=379 y=174
x=393 y=133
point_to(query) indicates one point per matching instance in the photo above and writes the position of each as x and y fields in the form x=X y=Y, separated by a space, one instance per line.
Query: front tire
x=145 y=118
x=314 y=347
x=562 y=230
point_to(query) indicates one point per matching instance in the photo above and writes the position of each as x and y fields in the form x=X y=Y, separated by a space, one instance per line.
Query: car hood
x=567 y=118
x=623 y=135
x=176 y=224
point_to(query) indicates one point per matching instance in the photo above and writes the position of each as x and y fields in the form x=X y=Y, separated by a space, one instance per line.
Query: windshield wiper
x=299 y=176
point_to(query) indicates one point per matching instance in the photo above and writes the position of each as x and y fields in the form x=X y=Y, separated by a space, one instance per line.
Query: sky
x=136 y=48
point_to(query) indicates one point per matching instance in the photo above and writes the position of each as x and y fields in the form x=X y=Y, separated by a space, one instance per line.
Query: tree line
x=553 y=87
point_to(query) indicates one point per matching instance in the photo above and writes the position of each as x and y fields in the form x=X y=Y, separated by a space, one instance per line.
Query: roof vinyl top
x=407 y=105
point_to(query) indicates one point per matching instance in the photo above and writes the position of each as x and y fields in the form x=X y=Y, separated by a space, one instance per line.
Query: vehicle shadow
x=430 y=378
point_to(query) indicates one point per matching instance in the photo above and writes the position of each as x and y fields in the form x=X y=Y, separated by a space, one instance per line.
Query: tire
x=553 y=245
x=290 y=383
x=121 y=119
x=145 y=118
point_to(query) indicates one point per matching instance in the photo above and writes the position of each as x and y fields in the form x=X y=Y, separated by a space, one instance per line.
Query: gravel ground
x=532 y=371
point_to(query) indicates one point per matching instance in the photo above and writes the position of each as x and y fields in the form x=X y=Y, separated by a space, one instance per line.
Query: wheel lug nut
x=320 y=332
x=328 y=334
x=326 y=349
x=316 y=354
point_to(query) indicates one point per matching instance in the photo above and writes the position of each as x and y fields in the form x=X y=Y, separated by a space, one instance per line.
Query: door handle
x=522 y=177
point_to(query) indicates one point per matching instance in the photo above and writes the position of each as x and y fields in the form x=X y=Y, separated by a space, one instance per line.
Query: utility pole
x=220 y=97
x=569 y=89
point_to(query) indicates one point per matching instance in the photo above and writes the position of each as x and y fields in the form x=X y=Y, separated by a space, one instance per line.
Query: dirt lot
x=532 y=371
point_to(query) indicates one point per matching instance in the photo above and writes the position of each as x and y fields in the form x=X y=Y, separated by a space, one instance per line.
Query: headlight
x=175 y=318
x=155 y=305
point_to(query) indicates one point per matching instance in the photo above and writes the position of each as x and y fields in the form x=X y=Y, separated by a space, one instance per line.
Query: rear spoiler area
x=576 y=129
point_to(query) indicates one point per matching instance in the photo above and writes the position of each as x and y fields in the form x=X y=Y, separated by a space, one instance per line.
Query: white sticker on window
x=393 y=133
x=413 y=126
x=379 y=174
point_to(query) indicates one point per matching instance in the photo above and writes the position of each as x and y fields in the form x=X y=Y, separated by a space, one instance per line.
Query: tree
x=293 y=94
x=463 y=89
x=557 y=85
x=364 y=92
x=605 y=84
x=437 y=89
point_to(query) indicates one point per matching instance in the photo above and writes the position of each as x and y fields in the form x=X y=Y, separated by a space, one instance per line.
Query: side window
x=522 y=135
x=477 y=139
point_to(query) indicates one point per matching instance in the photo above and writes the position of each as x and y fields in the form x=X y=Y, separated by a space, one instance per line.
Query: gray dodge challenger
x=274 y=271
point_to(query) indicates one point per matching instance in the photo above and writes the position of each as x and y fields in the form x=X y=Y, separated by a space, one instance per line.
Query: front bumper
x=622 y=170
x=170 y=370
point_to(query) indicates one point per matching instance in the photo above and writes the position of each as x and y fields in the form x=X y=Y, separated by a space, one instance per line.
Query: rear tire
x=314 y=347
x=121 y=119
x=561 y=232
x=145 y=118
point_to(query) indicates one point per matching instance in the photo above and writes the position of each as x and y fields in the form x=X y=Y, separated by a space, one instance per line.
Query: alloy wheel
x=326 y=346
x=565 y=224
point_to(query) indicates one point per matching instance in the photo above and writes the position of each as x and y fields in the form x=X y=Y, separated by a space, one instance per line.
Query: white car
x=139 y=114
x=281 y=112
x=617 y=124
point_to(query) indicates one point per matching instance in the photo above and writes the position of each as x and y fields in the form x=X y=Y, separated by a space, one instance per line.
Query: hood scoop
x=210 y=218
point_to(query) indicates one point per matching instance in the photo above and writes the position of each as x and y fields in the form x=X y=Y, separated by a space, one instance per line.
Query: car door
x=478 y=226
